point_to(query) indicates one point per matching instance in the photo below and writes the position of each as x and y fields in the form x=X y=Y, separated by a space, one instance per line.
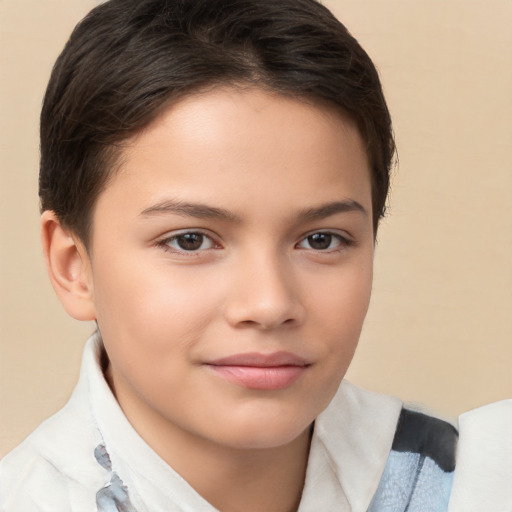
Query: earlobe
x=69 y=268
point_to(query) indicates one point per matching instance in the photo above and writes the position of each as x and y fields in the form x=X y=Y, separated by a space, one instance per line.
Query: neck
x=238 y=480
x=269 y=479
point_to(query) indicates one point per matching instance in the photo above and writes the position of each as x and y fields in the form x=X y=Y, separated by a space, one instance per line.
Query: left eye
x=322 y=241
x=189 y=242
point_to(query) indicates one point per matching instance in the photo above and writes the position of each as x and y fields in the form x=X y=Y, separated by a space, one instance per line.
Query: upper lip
x=256 y=359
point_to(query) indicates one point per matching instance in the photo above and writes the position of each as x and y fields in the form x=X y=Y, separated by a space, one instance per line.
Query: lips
x=268 y=372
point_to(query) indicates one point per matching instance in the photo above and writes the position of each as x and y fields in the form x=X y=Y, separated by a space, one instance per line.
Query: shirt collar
x=356 y=432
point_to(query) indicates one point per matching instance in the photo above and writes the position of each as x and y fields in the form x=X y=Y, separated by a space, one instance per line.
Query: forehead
x=243 y=147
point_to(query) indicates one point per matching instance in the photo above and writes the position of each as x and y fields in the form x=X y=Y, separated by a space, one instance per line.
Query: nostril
x=265 y=325
x=247 y=323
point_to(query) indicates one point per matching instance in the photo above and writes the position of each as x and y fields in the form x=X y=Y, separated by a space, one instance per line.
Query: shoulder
x=420 y=466
x=427 y=436
x=55 y=465
x=484 y=460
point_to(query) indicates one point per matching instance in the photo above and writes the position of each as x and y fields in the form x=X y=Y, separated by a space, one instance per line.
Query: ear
x=69 y=268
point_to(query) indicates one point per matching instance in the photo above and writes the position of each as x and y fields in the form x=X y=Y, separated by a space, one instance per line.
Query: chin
x=265 y=434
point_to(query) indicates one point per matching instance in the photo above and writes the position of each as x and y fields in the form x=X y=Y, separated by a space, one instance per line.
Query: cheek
x=341 y=307
x=343 y=299
x=150 y=307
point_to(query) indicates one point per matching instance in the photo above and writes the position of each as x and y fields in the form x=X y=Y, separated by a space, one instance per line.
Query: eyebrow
x=196 y=210
x=326 y=210
x=203 y=211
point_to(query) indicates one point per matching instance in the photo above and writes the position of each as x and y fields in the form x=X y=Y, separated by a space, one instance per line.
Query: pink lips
x=261 y=371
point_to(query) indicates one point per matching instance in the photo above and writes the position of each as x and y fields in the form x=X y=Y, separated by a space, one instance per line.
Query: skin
x=255 y=281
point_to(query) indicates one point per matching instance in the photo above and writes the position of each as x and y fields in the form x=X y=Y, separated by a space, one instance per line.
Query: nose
x=264 y=295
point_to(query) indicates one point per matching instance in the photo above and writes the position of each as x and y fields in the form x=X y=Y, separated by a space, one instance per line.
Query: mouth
x=266 y=372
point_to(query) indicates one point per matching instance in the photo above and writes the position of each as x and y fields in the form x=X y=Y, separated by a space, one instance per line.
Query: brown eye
x=190 y=241
x=324 y=241
x=320 y=241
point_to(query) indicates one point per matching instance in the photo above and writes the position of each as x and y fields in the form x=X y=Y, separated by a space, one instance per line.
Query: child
x=212 y=177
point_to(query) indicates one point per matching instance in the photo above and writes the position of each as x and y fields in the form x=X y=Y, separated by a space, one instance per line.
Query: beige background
x=439 y=331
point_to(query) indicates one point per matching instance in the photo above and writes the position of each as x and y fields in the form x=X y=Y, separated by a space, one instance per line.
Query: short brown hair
x=127 y=59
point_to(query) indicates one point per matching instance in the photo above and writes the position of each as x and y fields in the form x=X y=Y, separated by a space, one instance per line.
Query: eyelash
x=342 y=243
x=165 y=243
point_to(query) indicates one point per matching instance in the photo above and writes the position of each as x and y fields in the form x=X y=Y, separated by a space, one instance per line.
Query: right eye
x=188 y=242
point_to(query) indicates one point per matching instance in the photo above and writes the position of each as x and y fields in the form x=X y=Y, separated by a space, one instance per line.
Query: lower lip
x=262 y=378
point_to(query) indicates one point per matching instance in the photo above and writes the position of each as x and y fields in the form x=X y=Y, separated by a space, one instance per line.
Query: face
x=231 y=267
